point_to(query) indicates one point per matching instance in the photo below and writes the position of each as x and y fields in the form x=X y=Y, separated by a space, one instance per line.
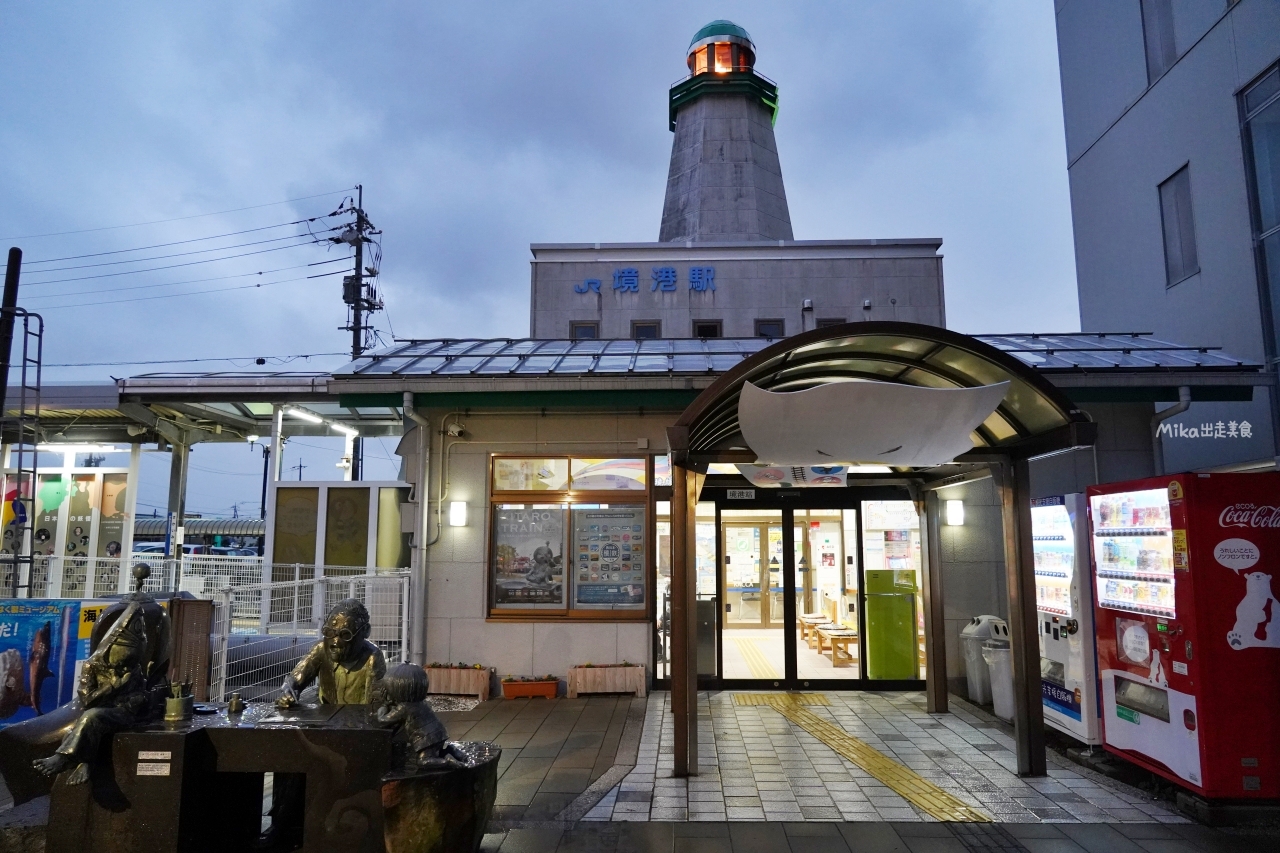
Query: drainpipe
x=418 y=603
x=806 y=316
x=1157 y=444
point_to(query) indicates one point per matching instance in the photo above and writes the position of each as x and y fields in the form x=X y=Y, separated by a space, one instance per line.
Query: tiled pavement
x=756 y=765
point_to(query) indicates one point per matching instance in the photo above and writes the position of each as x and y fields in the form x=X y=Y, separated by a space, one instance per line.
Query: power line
x=304 y=237
x=170 y=266
x=177 y=218
x=189 y=293
x=188 y=281
x=177 y=242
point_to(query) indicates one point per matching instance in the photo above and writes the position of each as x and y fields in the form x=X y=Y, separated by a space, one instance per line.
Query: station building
x=588 y=494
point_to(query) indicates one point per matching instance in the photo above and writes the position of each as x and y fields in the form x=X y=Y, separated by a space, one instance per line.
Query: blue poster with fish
x=39 y=645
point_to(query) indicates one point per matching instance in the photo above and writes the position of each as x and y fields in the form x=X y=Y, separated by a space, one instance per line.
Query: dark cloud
x=477 y=129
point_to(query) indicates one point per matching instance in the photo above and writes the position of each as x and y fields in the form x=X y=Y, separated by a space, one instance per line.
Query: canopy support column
x=685 y=486
x=935 y=636
x=1013 y=482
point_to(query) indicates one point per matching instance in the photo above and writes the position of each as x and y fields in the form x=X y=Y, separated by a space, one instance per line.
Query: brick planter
x=467 y=682
x=606 y=679
x=529 y=689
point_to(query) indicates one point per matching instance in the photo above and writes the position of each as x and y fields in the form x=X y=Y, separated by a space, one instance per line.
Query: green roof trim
x=720 y=27
x=658 y=399
x=733 y=83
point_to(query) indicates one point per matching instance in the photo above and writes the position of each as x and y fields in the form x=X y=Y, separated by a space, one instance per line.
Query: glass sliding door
x=827 y=641
x=894 y=616
x=752 y=581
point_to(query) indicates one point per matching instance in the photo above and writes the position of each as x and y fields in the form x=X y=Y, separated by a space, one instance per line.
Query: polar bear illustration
x=1251 y=613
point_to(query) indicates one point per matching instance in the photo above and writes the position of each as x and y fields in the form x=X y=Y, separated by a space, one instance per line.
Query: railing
x=199 y=574
x=261 y=631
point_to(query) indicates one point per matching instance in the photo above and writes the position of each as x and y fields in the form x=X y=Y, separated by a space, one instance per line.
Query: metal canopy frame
x=1034 y=419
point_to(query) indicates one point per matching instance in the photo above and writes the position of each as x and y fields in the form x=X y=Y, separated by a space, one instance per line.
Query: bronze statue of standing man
x=344 y=662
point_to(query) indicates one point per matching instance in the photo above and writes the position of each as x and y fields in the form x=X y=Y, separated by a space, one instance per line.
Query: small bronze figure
x=113 y=693
x=419 y=740
x=344 y=662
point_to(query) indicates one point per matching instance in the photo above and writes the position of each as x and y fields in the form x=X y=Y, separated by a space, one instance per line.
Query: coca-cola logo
x=1249 y=515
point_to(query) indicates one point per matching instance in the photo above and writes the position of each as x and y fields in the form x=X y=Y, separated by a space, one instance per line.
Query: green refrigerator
x=891 y=624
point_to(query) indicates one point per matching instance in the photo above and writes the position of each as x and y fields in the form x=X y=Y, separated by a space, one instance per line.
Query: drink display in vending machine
x=1064 y=602
x=1188 y=628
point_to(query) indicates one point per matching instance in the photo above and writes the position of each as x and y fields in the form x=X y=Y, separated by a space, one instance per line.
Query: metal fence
x=260 y=631
x=199 y=574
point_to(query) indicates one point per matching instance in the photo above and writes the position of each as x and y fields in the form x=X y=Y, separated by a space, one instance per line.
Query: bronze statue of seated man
x=344 y=663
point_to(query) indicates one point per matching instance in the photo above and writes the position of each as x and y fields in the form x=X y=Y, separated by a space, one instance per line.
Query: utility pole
x=361 y=299
x=299 y=468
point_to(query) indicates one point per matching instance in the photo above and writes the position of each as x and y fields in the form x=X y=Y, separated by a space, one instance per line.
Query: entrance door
x=751 y=566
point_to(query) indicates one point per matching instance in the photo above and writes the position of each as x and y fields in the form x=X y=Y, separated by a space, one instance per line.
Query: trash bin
x=978 y=631
x=1000 y=660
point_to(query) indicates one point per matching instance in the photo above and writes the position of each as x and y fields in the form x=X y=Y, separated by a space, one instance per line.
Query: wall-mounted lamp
x=457 y=513
x=955 y=513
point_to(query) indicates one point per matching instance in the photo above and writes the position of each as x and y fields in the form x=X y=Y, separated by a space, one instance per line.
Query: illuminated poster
x=608 y=557
x=80 y=512
x=294 y=539
x=49 y=498
x=528 y=556
x=530 y=475
x=113 y=518
x=346 y=527
x=38 y=650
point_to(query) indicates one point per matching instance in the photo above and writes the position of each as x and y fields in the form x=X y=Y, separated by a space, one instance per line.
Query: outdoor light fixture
x=346 y=430
x=457 y=513
x=306 y=416
x=252 y=438
x=955 y=513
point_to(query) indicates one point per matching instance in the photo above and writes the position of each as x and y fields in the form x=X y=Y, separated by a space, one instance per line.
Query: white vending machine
x=1064 y=601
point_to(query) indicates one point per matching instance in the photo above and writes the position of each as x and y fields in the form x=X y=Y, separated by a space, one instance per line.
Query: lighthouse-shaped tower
x=725 y=182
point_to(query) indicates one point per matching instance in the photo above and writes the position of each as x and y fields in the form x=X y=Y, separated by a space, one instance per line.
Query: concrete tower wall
x=725 y=182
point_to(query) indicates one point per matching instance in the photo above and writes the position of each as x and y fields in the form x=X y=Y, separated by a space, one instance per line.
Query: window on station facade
x=1157 y=34
x=645 y=330
x=571 y=537
x=769 y=329
x=827 y=322
x=705 y=329
x=1176 y=218
x=584 y=331
x=1261 y=111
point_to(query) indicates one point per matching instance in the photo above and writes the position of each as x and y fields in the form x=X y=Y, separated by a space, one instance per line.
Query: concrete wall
x=458 y=627
x=902 y=280
x=1125 y=137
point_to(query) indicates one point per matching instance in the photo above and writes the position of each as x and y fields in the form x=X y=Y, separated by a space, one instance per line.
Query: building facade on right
x=1172 y=118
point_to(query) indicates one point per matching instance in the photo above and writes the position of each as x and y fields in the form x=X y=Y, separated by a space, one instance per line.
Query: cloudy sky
x=476 y=130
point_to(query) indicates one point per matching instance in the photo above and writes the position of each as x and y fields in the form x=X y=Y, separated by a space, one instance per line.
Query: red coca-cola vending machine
x=1188 y=628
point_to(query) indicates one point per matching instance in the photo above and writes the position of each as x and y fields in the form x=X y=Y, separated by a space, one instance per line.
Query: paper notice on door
x=1179 y=667
x=143 y=755
x=153 y=768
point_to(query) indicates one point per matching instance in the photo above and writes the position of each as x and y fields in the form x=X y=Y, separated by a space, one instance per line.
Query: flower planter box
x=606 y=679
x=467 y=682
x=529 y=689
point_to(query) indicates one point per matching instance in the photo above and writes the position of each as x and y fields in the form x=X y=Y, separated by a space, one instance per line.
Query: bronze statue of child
x=419 y=740
x=344 y=663
x=113 y=693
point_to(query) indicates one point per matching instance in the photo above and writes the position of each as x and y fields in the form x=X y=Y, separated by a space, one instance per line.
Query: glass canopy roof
x=475 y=357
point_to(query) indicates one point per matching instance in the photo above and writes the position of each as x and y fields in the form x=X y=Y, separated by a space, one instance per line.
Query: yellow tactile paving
x=768 y=698
x=756 y=661
x=903 y=780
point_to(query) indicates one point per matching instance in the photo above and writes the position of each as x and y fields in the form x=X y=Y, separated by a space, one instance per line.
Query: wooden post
x=1013 y=482
x=935 y=625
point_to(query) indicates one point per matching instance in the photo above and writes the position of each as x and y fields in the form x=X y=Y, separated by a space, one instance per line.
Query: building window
x=584 y=331
x=645 y=330
x=1157 y=33
x=1261 y=111
x=1180 y=261
x=826 y=322
x=569 y=537
x=708 y=329
x=769 y=329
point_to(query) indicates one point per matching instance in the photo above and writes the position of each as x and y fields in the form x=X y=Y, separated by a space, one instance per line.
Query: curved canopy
x=1031 y=417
